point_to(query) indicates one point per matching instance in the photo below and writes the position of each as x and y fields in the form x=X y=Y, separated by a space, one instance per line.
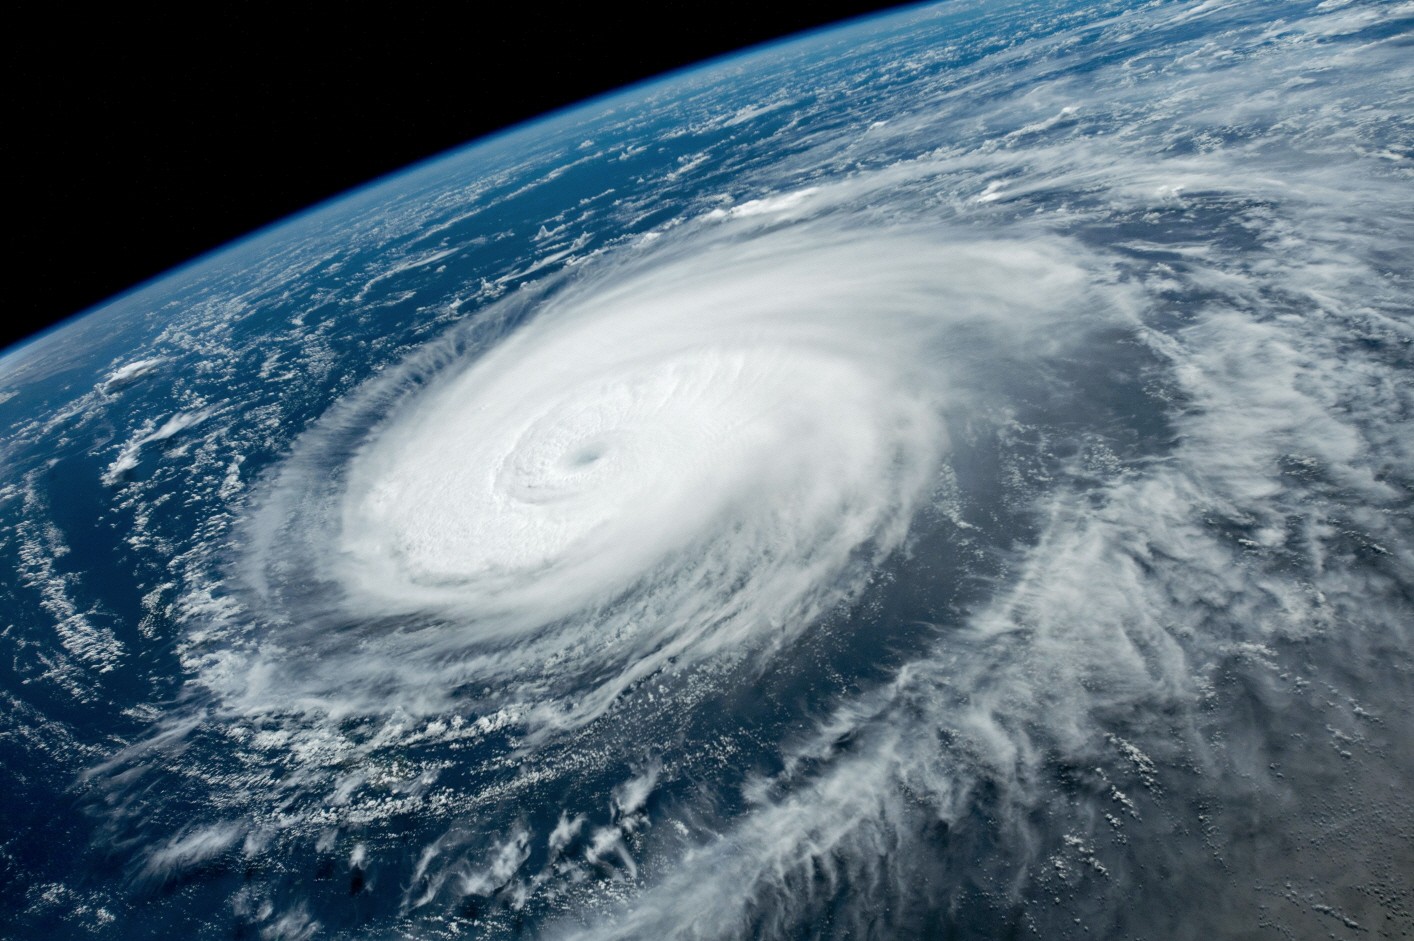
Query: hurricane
x=948 y=476
x=688 y=456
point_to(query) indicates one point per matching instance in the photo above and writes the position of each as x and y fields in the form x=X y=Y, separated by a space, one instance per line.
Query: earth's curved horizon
x=943 y=476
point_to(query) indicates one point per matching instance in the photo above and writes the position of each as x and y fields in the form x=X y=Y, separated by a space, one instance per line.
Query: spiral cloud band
x=690 y=454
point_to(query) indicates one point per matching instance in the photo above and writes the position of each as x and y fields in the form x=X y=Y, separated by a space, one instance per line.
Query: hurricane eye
x=586 y=455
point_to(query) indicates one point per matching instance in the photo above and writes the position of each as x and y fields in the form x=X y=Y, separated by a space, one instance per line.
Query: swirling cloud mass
x=690 y=456
x=950 y=477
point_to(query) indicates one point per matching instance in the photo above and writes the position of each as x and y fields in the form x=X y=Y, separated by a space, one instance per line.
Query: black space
x=137 y=141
